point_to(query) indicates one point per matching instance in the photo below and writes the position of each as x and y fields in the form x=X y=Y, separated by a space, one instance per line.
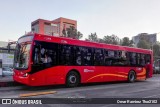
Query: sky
x=124 y=18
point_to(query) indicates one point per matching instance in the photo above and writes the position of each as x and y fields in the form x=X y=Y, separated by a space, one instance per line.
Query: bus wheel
x=131 y=76
x=72 y=79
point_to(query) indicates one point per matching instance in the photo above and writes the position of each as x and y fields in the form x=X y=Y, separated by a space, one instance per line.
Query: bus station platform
x=7 y=81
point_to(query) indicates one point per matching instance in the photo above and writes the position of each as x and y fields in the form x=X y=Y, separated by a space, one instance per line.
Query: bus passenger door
x=149 y=66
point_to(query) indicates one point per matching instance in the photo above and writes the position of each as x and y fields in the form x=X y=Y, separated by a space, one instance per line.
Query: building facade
x=54 y=27
x=4 y=47
x=151 y=38
x=3 y=44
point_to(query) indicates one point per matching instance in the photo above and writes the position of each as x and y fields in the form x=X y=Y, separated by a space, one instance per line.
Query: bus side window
x=106 y=58
x=98 y=57
x=44 y=54
x=132 y=58
x=142 y=60
x=127 y=59
x=109 y=55
x=138 y=59
x=87 y=56
x=147 y=58
x=116 y=57
x=77 y=56
x=65 y=55
x=36 y=54
x=121 y=58
x=48 y=54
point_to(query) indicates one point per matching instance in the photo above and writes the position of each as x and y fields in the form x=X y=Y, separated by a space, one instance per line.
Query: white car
x=6 y=71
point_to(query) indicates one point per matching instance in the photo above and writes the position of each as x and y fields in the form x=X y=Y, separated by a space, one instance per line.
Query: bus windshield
x=21 y=59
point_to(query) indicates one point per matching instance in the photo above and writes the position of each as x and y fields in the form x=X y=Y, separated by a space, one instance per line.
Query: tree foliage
x=127 y=42
x=156 y=49
x=72 y=33
x=92 y=37
x=143 y=44
x=113 y=39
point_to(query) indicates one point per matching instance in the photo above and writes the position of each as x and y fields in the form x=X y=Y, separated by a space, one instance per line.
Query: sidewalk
x=7 y=81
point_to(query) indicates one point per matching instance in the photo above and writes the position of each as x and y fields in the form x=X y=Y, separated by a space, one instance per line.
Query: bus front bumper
x=20 y=79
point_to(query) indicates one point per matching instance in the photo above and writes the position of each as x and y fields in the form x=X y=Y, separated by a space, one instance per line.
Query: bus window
x=98 y=57
x=66 y=55
x=148 y=58
x=132 y=58
x=87 y=55
x=138 y=59
x=142 y=60
x=111 y=54
x=115 y=59
x=108 y=56
x=77 y=56
x=120 y=58
x=45 y=53
x=83 y=56
x=124 y=58
x=36 y=54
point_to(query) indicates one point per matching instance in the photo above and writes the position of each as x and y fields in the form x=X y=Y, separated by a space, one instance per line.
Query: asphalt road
x=149 y=88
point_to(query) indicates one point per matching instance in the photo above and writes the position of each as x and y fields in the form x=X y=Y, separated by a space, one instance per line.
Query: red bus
x=47 y=60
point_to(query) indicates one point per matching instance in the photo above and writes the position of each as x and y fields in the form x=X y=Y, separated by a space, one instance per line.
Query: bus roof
x=70 y=41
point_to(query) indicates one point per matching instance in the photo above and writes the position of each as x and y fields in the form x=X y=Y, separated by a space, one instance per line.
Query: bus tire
x=131 y=76
x=72 y=79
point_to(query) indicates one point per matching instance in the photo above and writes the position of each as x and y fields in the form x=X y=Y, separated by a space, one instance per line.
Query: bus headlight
x=25 y=75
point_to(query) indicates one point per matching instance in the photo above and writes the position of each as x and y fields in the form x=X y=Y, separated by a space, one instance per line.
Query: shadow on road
x=40 y=88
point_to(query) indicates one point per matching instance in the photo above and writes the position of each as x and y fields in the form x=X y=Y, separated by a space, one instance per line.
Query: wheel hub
x=72 y=79
x=132 y=77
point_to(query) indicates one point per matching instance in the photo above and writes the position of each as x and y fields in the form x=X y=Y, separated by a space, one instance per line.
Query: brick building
x=54 y=27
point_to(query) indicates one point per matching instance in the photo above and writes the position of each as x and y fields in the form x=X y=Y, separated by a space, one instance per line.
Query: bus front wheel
x=131 y=76
x=72 y=79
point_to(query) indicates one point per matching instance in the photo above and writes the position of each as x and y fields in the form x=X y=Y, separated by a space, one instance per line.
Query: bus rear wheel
x=131 y=76
x=72 y=79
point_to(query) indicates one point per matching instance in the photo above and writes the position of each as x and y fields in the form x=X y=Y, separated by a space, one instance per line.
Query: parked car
x=6 y=71
x=156 y=67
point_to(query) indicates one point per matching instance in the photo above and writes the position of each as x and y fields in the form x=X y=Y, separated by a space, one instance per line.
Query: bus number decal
x=47 y=38
x=87 y=70
x=139 y=69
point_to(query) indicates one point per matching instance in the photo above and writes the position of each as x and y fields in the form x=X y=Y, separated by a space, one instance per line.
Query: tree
x=156 y=49
x=127 y=42
x=113 y=39
x=72 y=33
x=143 y=44
x=93 y=37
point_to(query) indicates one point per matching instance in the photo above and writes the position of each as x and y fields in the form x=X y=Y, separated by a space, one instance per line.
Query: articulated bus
x=48 y=60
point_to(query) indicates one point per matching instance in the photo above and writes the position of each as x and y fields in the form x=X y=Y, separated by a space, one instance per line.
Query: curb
x=9 y=84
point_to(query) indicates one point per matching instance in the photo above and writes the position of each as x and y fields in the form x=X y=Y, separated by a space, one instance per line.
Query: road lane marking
x=37 y=93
